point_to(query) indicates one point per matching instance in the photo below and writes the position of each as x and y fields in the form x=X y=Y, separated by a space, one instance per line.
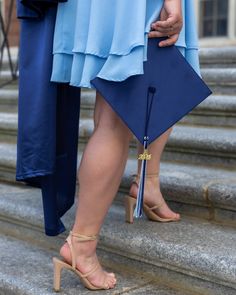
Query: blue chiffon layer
x=108 y=39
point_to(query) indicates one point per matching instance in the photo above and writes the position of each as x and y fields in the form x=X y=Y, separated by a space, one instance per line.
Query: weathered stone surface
x=223 y=193
x=87 y=103
x=14 y=55
x=191 y=247
x=155 y=290
x=219 y=103
x=216 y=110
x=5 y=76
x=221 y=81
x=7 y=155
x=8 y=100
x=8 y=126
x=181 y=184
x=205 y=145
x=193 y=144
x=28 y=270
x=220 y=76
x=218 y=57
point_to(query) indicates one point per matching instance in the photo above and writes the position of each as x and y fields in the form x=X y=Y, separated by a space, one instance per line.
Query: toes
x=112 y=274
x=110 y=282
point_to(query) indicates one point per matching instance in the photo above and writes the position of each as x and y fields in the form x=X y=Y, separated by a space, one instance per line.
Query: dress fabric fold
x=48 y=118
x=108 y=39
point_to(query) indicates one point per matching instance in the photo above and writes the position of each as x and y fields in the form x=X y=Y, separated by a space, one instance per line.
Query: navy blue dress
x=48 y=116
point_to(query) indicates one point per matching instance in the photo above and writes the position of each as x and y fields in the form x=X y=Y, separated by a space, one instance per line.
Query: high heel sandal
x=60 y=264
x=130 y=202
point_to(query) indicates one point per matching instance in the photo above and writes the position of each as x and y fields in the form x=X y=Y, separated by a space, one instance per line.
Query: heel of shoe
x=130 y=203
x=58 y=265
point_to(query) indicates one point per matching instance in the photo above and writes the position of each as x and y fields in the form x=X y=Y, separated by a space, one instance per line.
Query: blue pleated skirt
x=108 y=39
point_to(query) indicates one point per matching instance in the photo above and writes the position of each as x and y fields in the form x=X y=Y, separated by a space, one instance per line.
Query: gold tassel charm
x=145 y=156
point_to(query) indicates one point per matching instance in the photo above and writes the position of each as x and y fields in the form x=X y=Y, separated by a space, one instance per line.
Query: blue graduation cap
x=151 y=103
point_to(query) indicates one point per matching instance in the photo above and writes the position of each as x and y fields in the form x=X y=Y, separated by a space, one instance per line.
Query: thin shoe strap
x=157 y=206
x=69 y=241
x=81 y=238
x=149 y=175
x=136 y=177
x=91 y=271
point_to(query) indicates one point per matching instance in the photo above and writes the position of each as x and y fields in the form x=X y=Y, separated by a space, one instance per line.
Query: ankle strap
x=150 y=175
x=136 y=177
x=83 y=238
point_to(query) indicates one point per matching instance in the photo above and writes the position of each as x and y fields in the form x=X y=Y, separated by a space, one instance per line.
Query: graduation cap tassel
x=145 y=156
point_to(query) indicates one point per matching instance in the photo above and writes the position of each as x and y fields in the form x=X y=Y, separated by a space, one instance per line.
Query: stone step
x=195 y=190
x=8 y=100
x=202 y=145
x=192 y=144
x=221 y=81
x=220 y=57
x=7 y=79
x=191 y=255
x=216 y=110
x=27 y=269
x=8 y=127
x=14 y=57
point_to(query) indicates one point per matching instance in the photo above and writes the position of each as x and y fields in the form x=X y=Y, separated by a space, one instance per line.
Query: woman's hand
x=170 y=23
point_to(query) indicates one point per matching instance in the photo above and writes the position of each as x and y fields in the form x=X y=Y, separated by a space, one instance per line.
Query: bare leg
x=153 y=195
x=100 y=173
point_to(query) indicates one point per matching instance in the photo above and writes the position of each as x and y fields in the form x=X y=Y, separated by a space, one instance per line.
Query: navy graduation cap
x=151 y=103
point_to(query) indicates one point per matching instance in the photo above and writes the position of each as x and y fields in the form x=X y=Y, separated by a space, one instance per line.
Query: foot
x=153 y=196
x=86 y=259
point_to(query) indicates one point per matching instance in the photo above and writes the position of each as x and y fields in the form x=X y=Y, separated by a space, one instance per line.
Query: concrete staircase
x=198 y=178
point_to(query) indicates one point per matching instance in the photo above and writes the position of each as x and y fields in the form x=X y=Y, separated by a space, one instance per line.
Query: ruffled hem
x=78 y=69
x=113 y=68
x=82 y=55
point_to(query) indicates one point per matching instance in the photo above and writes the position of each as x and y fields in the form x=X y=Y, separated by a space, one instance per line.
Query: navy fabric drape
x=48 y=117
x=37 y=7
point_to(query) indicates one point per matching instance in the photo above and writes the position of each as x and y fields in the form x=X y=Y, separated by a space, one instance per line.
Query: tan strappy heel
x=60 y=264
x=130 y=202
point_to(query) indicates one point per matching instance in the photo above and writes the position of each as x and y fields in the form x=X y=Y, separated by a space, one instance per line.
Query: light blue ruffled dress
x=108 y=39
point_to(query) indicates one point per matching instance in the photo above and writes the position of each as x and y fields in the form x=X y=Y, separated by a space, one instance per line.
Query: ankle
x=85 y=248
x=152 y=179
